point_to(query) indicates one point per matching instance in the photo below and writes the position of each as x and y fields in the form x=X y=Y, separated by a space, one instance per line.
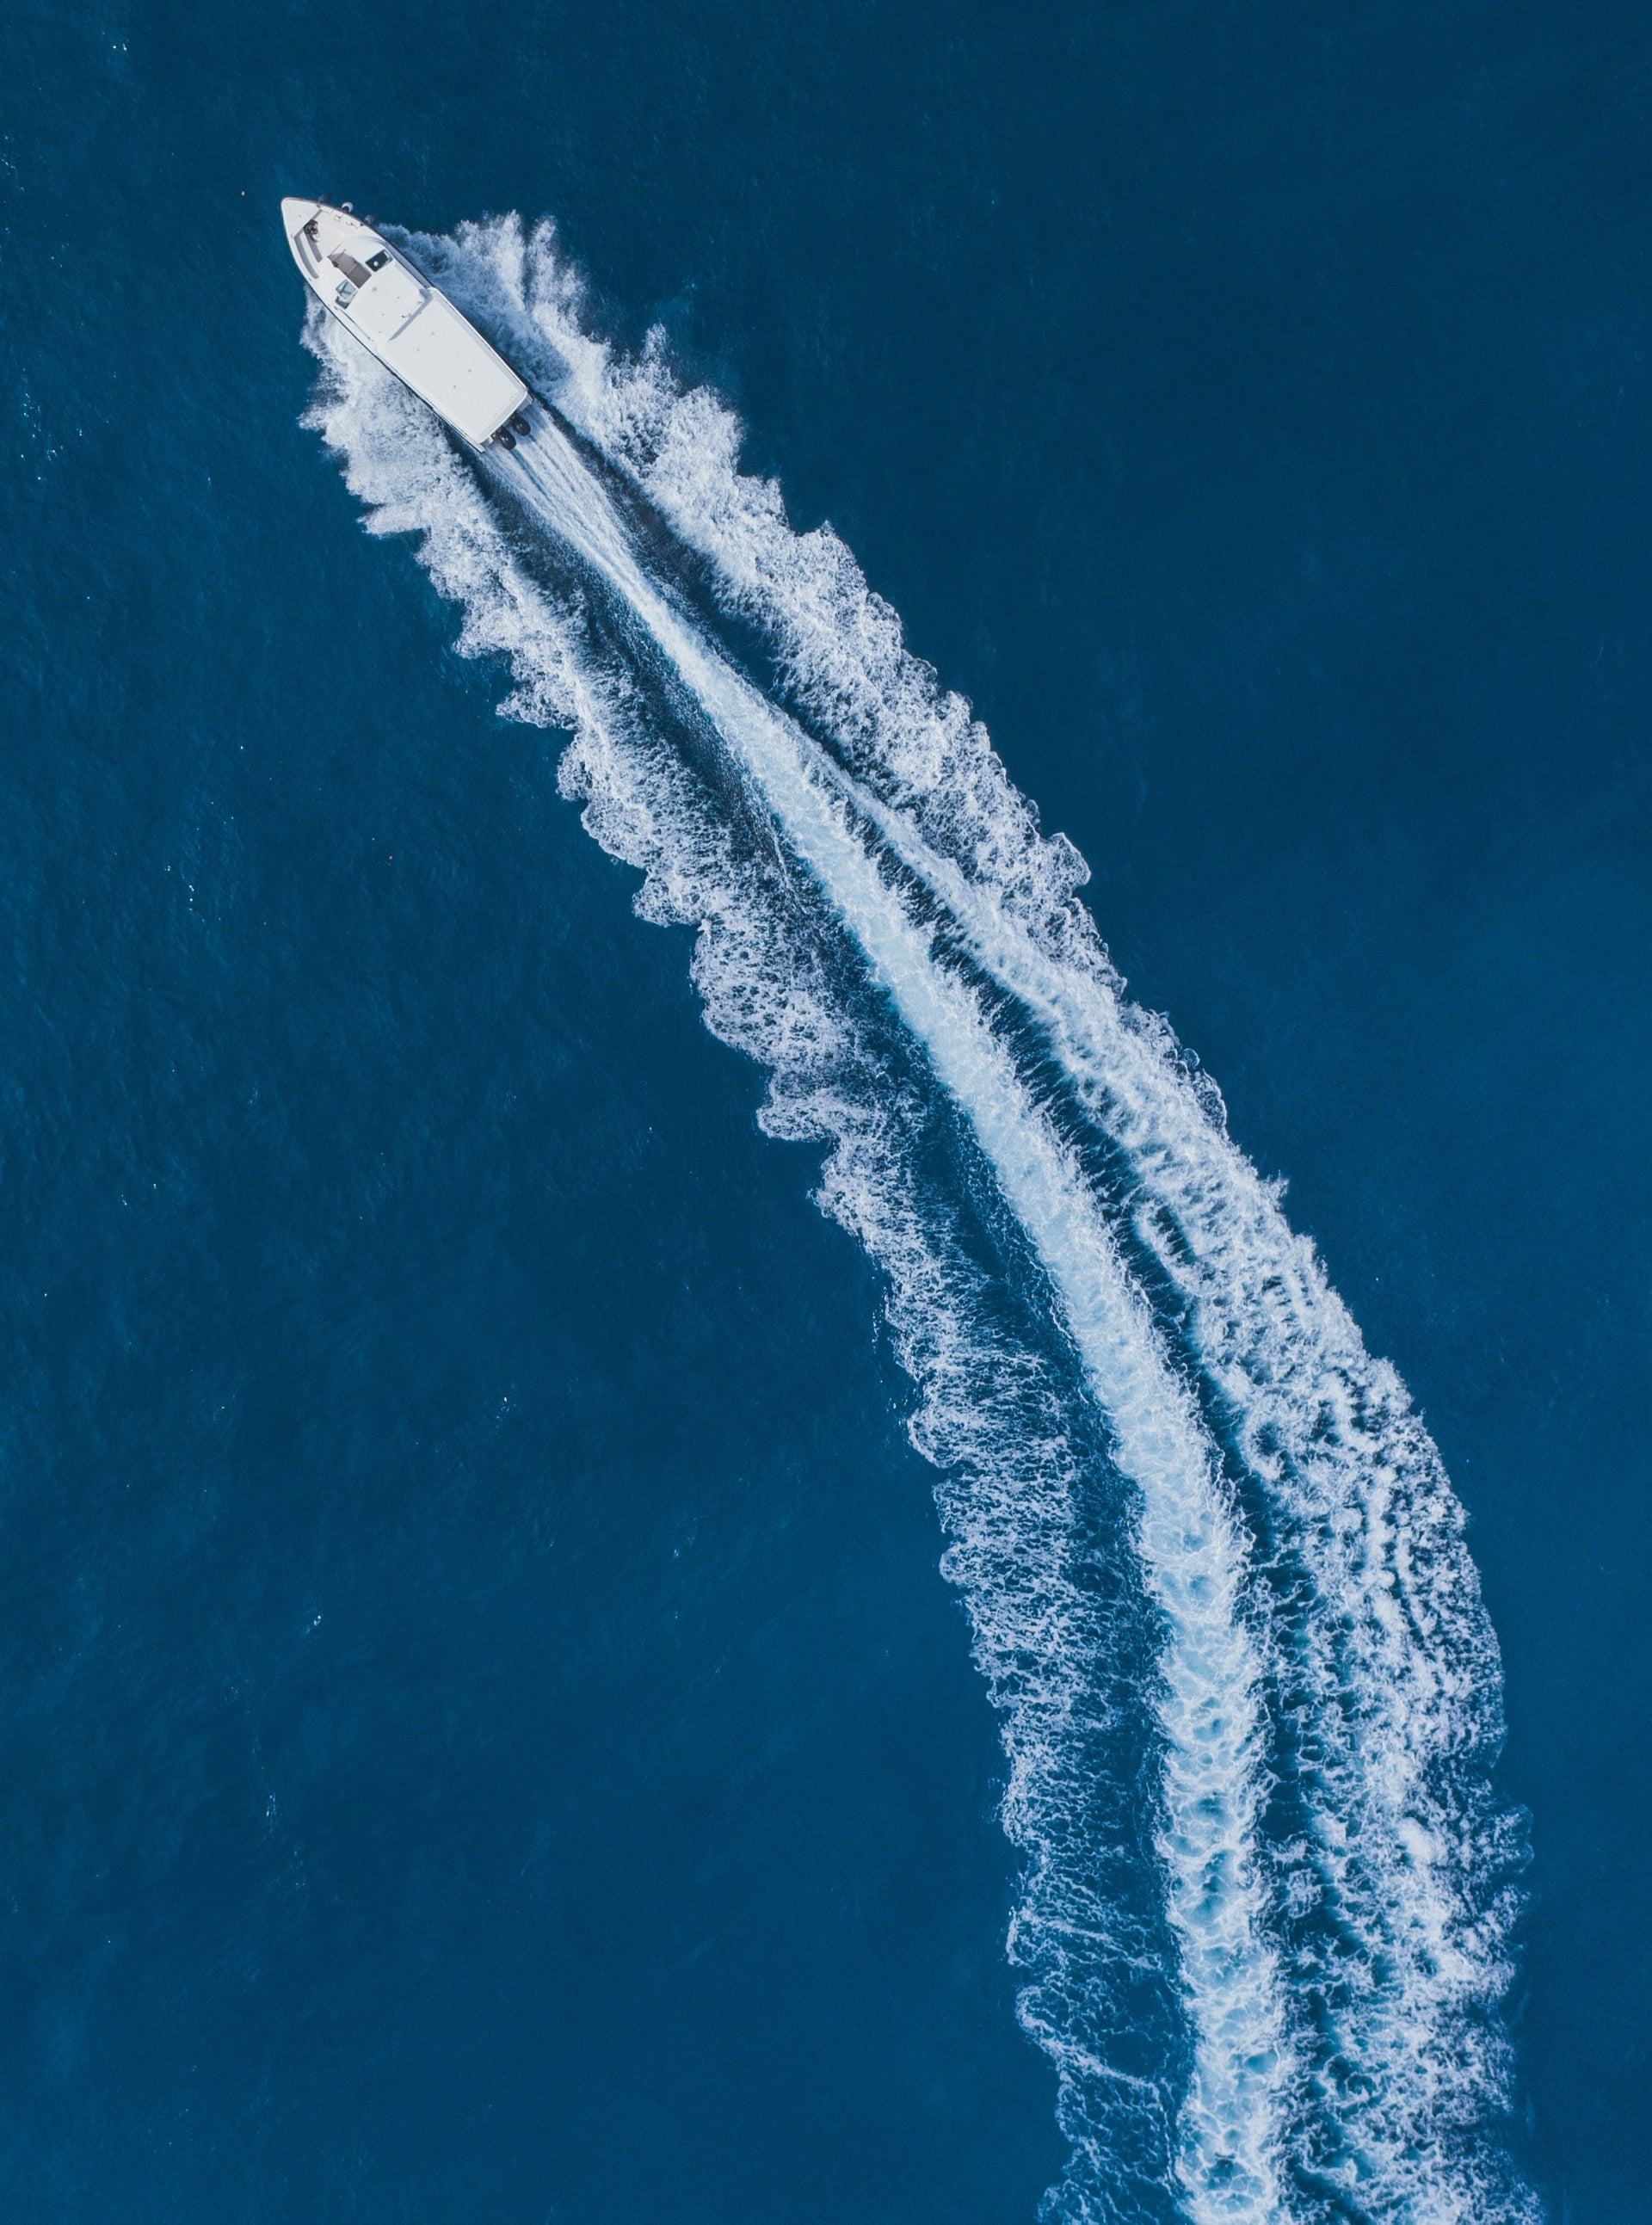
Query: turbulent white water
x=1303 y=1657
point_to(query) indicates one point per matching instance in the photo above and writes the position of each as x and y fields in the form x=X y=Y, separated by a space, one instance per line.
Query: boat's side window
x=377 y=261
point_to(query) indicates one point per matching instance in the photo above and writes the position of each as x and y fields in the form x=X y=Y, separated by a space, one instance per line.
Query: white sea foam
x=1387 y=1897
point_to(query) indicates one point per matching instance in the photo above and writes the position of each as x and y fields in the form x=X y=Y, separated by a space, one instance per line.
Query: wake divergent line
x=1208 y=1702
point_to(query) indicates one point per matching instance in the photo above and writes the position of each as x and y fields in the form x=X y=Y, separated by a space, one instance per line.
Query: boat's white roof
x=412 y=327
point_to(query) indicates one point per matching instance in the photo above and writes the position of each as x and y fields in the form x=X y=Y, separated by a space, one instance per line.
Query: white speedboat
x=395 y=313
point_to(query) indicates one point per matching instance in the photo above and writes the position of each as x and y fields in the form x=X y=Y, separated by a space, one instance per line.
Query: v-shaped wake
x=1333 y=1878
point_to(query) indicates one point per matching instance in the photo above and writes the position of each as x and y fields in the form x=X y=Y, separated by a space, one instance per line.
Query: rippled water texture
x=490 y=1722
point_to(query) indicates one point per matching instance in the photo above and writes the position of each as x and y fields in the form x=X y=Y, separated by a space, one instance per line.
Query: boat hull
x=388 y=304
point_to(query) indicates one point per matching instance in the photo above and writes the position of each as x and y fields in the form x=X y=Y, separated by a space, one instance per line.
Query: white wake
x=1339 y=1960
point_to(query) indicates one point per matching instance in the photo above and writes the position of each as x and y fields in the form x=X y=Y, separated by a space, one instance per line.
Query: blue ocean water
x=485 y=1733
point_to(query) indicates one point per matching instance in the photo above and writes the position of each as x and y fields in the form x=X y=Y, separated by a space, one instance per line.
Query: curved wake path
x=1336 y=1879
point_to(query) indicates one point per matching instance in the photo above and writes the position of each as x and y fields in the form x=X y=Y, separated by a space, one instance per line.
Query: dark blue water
x=484 y=1731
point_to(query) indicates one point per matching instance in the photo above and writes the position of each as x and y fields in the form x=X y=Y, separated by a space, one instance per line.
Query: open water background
x=483 y=1731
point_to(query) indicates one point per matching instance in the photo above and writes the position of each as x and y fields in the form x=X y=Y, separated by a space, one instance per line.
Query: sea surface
x=824 y=1216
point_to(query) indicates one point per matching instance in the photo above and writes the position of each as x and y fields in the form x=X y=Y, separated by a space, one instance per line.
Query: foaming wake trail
x=1336 y=1879
x=1191 y=1557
